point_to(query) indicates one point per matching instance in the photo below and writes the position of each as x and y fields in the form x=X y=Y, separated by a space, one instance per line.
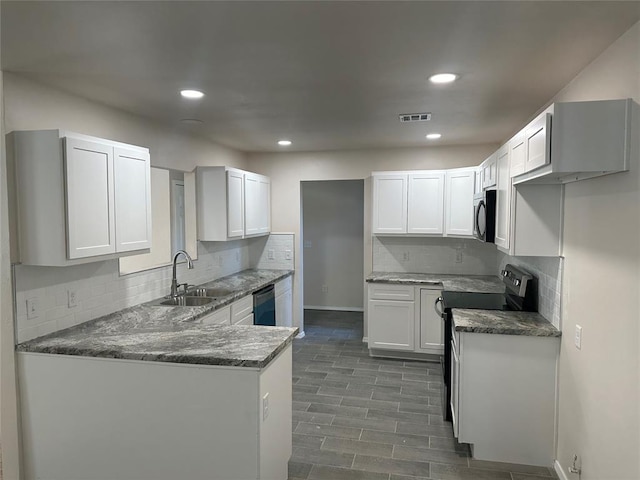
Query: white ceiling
x=327 y=75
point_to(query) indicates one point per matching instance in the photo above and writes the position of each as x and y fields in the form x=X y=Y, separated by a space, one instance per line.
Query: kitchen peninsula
x=151 y=392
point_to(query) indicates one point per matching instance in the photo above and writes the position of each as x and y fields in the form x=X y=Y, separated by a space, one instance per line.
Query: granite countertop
x=449 y=282
x=503 y=323
x=173 y=334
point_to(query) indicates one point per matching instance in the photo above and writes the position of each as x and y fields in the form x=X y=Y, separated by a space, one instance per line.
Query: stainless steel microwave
x=484 y=216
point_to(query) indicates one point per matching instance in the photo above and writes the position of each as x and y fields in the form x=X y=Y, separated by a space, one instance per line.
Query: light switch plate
x=72 y=298
x=271 y=254
x=287 y=254
x=578 y=337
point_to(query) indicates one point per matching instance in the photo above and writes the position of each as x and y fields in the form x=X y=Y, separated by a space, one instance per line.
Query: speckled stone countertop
x=503 y=323
x=173 y=334
x=452 y=283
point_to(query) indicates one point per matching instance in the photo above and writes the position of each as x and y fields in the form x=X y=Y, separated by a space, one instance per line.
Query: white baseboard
x=339 y=309
x=559 y=471
x=301 y=334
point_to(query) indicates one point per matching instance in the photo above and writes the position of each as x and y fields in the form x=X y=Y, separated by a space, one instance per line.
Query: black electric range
x=520 y=294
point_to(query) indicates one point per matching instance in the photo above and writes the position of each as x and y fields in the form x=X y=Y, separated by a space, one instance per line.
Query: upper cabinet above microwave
x=77 y=199
x=232 y=204
x=575 y=141
x=427 y=202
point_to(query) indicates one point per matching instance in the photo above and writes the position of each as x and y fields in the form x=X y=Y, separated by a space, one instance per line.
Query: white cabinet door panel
x=431 y=324
x=235 y=204
x=518 y=154
x=391 y=325
x=459 y=202
x=537 y=138
x=503 y=199
x=132 y=179
x=426 y=203
x=90 y=198
x=257 y=204
x=389 y=204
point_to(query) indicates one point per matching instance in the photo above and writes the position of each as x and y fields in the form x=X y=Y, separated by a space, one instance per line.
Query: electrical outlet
x=271 y=254
x=72 y=298
x=220 y=260
x=265 y=406
x=237 y=256
x=287 y=254
x=459 y=255
x=405 y=256
x=325 y=289
x=578 y=337
x=33 y=308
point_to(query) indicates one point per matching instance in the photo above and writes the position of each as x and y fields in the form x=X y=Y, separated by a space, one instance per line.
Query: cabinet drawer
x=389 y=291
x=219 y=317
x=282 y=286
x=241 y=308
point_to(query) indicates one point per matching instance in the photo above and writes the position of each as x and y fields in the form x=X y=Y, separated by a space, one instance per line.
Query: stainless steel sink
x=186 y=301
x=210 y=292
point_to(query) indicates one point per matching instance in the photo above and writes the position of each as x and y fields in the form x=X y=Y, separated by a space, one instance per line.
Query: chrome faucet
x=174 y=281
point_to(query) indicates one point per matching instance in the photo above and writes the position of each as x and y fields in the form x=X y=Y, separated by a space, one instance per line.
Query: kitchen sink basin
x=210 y=292
x=186 y=301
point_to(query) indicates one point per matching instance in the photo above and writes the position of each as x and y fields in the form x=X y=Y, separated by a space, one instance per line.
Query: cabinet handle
x=435 y=306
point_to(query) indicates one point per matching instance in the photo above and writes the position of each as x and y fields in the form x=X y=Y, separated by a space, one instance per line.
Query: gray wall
x=333 y=217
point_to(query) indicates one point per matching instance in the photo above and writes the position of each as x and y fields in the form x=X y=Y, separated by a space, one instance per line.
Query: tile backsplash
x=433 y=255
x=548 y=271
x=100 y=289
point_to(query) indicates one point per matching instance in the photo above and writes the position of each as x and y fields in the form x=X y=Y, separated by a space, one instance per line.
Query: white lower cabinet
x=284 y=302
x=403 y=318
x=503 y=391
x=241 y=309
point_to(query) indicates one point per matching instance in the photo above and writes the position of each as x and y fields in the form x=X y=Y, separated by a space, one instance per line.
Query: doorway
x=332 y=240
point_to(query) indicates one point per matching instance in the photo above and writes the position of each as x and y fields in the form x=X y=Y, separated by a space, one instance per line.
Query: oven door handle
x=435 y=306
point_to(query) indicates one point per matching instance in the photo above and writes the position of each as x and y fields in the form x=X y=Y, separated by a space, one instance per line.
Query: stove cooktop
x=479 y=301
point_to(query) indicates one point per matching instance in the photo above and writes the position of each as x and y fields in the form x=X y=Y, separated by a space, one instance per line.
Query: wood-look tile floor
x=362 y=418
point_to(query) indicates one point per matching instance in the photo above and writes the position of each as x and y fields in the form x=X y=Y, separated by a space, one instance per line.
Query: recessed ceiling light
x=193 y=94
x=433 y=136
x=443 y=78
x=191 y=121
x=284 y=143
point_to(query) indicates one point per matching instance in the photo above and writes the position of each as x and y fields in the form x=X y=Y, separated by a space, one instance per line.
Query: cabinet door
x=218 y=317
x=389 y=204
x=459 y=202
x=391 y=325
x=264 y=187
x=517 y=154
x=503 y=199
x=537 y=141
x=489 y=172
x=90 y=198
x=235 y=204
x=431 y=324
x=426 y=203
x=284 y=309
x=257 y=204
x=132 y=177
x=455 y=390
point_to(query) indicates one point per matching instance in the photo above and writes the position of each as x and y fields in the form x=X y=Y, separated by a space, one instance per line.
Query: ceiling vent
x=415 y=117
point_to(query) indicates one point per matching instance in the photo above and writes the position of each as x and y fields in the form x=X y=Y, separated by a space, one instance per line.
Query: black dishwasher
x=264 y=306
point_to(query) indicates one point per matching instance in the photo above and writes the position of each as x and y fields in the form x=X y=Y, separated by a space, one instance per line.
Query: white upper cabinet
x=90 y=204
x=231 y=204
x=235 y=203
x=488 y=168
x=132 y=185
x=77 y=199
x=578 y=140
x=459 y=201
x=426 y=203
x=257 y=200
x=517 y=154
x=390 y=203
x=503 y=198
